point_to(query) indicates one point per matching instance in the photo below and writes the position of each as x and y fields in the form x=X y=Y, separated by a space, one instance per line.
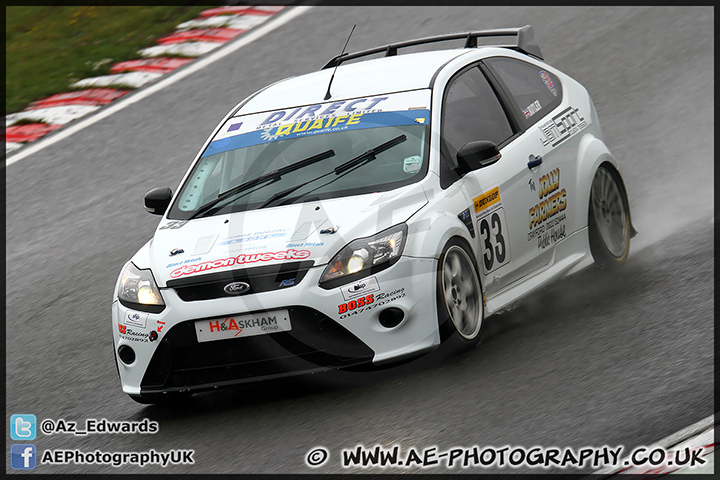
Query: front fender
x=431 y=227
x=141 y=259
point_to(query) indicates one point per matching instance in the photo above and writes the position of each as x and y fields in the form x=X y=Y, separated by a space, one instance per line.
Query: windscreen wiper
x=273 y=176
x=368 y=155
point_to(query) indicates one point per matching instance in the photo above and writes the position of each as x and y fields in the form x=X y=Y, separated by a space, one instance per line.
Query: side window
x=534 y=90
x=471 y=112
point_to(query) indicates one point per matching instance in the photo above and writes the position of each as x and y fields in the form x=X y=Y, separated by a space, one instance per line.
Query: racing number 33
x=494 y=245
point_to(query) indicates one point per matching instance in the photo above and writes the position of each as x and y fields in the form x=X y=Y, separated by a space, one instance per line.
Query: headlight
x=365 y=256
x=138 y=290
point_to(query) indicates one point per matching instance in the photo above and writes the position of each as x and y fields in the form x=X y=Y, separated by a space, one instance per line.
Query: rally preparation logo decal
x=562 y=126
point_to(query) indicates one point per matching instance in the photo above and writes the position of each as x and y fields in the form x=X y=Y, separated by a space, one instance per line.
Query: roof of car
x=371 y=77
x=391 y=73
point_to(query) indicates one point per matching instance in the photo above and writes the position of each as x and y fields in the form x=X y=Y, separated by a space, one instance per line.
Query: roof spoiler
x=526 y=43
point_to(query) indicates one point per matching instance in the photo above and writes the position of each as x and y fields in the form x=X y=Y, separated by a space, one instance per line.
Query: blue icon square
x=23 y=426
x=23 y=457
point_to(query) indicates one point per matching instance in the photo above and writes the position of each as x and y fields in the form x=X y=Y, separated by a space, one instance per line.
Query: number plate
x=242 y=326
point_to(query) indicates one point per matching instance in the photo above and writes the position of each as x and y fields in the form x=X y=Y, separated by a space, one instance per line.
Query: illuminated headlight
x=365 y=256
x=138 y=290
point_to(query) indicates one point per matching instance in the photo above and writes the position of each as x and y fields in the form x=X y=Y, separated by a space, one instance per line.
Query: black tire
x=171 y=398
x=459 y=297
x=609 y=227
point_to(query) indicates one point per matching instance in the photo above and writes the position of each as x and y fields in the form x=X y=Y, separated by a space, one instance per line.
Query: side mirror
x=475 y=155
x=157 y=200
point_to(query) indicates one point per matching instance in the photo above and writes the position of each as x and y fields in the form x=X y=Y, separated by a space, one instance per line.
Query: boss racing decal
x=353 y=304
x=562 y=126
x=547 y=217
x=128 y=333
x=493 y=230
x=369 y=302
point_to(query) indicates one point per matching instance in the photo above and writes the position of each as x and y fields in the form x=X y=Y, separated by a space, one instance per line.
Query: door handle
x=534 y=161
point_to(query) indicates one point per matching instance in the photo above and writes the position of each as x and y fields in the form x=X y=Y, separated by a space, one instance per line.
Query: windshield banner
x=406 y=108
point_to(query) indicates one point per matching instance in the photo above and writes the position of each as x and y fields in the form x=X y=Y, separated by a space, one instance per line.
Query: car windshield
x=293 y=155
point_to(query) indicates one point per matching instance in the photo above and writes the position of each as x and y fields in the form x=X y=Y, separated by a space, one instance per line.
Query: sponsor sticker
x=532 y=109
x=553 y=200
x=562 y=126
x=486 y=200
x=135 y=319
x=188 y=261
x=242 y=259
x=359 y=113
x=353 y=304
x=548 y=82
x=547 y=217
x=128 y=333
x=253 y=237
x=369 y=302
x=493 y=232
x=243 y=326
x=360 y=288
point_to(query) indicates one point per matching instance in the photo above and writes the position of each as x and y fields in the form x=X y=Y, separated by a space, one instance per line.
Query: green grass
x=48 y=48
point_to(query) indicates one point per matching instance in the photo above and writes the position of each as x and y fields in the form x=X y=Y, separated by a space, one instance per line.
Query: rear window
x=534 y=90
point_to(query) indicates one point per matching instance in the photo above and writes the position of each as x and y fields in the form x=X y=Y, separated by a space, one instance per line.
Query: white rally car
x=366 y=213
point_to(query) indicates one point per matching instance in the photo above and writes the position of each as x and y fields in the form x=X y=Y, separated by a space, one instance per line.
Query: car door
x=534 y=97
x=498 y=194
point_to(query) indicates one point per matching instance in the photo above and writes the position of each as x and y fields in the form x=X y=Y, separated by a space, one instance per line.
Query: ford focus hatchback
x=367 y=213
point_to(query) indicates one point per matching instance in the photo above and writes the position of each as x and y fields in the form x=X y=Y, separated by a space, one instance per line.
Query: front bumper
x=168 y=356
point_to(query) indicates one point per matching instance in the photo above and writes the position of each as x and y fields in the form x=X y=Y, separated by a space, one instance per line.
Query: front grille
x=260 y=279
x=315 y=342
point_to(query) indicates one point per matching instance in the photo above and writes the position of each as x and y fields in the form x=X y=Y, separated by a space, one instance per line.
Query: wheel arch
x=593 y=154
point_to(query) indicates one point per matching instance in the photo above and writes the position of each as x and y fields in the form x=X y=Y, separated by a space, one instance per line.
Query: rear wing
x=526 y=43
